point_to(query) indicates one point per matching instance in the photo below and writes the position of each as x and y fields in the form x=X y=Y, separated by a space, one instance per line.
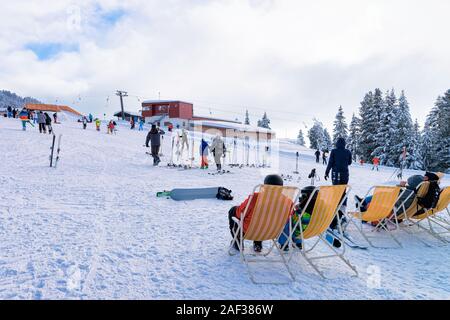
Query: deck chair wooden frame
x=432 y=219
x=328 y=202
x=382 y=209
x=269 y=218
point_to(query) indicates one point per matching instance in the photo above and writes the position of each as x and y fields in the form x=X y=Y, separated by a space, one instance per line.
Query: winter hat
x=432 y=176
x=273 y=180
x=340 y=143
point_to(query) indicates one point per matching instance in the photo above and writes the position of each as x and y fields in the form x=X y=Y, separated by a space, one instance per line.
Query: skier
x=204 y=152
x=55 y=118
x=317 y=156
x=376 y=163
x=97 y=124
x=218 y=150
x=48 y=122
x=325 y=157
x=132 y=123
x=9 y=111
x=184 y=140
x=141 y=124
x=23 y=116
x=41 y=122
x=111 y=127
x=154 y=136
x=90 y=118
x=236 y=212
x=14 y=113
x=340 y=160
x=84 y=121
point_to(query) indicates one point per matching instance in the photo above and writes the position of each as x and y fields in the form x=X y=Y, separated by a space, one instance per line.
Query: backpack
x=430 y=200
x=224 y=194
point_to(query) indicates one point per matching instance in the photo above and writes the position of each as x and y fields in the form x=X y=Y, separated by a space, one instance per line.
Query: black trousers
x=155 y=154
x=42 y=128
x=339 y=179
x=234 y=226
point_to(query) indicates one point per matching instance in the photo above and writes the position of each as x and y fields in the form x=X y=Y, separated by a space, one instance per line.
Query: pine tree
x=340 y=129
x=316 y=135
x=415 y=158
x=327 y=143
x=301 y=138
x=354 y=137
x=247 y=118
x=436 y=137
x=385 y=136
x=264 y=122
x=404 y=131
x=368 y=126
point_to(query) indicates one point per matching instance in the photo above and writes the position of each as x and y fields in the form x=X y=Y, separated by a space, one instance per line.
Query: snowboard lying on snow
x=199 y=193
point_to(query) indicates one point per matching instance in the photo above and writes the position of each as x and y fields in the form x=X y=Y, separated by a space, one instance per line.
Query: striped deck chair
x=272 y=211
x=432 y=218
x=382 y=209
x=328 y=202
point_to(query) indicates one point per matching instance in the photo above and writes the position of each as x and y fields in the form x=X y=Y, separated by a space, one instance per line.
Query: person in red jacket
x=274 y=180
x=376 y=163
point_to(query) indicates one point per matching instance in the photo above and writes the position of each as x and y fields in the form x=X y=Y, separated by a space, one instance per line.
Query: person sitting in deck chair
x=306 y=218
x=411 y=186
x=274 y=180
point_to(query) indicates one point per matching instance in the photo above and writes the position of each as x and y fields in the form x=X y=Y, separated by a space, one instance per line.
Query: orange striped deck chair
x=328 y=202
x=381 y=209
x=272 y=211
x=434 y=221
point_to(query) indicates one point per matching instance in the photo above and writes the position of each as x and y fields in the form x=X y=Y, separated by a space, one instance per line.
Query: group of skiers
x=41 y=118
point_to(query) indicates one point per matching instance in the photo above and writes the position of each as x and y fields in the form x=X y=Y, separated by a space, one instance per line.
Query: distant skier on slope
x=317 y=156
x=84 y=121
x=218 y=150
x=23 y=116
x=97 y=124
x=41 y=122
x=48 y=123
x=325 y=157
x=141 y=124
x=376 y=163
x=204 y=152
x=154 y=137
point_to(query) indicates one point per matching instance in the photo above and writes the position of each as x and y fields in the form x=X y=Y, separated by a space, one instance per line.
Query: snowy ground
x=93 y=229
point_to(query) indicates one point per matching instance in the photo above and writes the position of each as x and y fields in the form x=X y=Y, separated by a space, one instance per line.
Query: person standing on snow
x=97 y=124
x=218 y=150
x=141 y=125
x=376 y=163
x=317 y=156
x=204 y=152
x=48 y=122
x=41 y=122
x=55 y=118
x=154 y=137
x=340 y=160
x=23 y=116
x=325 y=157
x=84 y=121
x=90 y=118
x=132 y=124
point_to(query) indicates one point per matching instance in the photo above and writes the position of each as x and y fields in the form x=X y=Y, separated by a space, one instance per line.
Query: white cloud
x=302 y=57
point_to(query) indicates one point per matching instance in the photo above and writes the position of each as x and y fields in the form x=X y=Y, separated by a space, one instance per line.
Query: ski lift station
x=173 y=113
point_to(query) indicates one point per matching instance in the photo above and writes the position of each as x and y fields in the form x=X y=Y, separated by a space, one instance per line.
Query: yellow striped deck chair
x=273 y=209
x=432 y=218
x=328 y=202
x=381 y=209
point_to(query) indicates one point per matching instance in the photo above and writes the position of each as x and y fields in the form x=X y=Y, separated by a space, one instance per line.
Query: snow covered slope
x=93 y=228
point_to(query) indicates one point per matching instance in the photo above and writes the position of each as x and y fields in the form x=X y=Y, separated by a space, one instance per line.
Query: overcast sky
x=294 y=59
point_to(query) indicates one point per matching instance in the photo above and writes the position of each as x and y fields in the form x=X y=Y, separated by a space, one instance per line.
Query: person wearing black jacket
x=340 y=160
x=48 y=122
x=154 y=137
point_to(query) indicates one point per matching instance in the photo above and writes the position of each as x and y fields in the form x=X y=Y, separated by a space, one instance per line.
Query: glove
x=326 y=177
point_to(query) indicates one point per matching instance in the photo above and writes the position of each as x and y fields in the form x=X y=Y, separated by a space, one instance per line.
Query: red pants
x=204 y=161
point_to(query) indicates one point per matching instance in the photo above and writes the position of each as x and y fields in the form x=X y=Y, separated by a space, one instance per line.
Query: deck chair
x=328 y=202
x=382 y=209
x=432 y=218
x=272 y=211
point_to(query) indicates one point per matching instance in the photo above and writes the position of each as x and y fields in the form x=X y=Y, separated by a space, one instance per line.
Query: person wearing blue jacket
x=204 y=152
x=340 y=160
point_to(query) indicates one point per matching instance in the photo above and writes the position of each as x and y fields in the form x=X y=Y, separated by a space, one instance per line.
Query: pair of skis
x=54 y=160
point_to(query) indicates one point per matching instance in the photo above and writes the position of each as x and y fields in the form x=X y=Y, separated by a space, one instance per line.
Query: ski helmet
x=273 y=180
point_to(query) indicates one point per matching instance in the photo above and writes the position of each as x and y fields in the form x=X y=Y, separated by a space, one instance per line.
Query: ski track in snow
x=94 y=229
